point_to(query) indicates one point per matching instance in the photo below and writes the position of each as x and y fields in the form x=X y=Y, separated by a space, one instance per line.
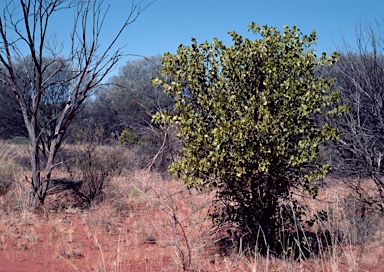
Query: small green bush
x=20 y=140
x=128 y=138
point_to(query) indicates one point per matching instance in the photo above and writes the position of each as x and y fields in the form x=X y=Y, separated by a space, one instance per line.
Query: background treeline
x=120 y=112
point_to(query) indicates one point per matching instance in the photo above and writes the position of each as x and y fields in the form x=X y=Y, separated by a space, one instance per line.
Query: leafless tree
x=359 y=154
x=25 y=40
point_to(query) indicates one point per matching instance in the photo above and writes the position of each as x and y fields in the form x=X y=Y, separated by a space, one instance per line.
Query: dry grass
x=148 y=223
x=12 y=159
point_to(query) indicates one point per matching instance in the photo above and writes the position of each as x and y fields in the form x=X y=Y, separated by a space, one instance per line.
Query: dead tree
x=358 y=156
x=25 y=35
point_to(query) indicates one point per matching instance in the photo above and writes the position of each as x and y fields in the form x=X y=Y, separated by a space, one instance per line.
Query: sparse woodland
x=260 y=155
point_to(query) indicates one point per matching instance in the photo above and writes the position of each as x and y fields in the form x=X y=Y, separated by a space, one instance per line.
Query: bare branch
x=51 y=88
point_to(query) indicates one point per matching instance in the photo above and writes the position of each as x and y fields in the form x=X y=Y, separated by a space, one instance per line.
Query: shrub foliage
x=248 y=116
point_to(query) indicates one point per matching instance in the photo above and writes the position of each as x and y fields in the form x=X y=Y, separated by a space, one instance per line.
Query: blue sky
x=168 y=23
x=165 y=24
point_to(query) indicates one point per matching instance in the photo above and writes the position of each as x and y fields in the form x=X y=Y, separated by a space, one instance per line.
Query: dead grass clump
x=26 y=239
x=71 y=251
x=181 y=223
x=9 y=168
x=105 y=217
x=16 y=205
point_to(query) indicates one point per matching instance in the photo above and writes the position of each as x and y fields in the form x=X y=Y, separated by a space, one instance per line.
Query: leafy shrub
x=247 y=115
x=128 y=138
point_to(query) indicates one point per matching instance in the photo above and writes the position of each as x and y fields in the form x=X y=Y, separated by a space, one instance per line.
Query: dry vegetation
x=145 y=221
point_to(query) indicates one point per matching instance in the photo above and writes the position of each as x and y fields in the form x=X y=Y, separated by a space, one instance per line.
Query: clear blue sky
x=168 y=23
x=165 y=24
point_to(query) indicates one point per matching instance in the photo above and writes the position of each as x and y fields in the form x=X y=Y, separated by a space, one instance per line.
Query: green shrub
x=20 y=140
x=129 y=138
x=249 y=117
